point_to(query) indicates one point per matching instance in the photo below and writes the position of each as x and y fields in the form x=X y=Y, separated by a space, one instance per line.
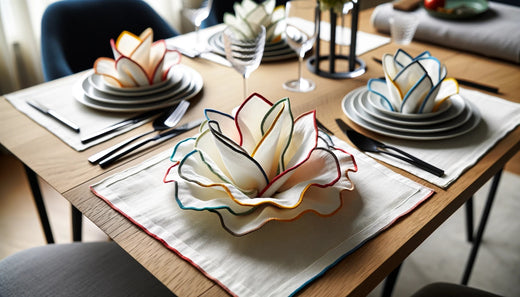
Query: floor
x=440 y=258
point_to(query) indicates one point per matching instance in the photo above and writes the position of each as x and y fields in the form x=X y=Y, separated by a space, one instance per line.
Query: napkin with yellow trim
x=276 y=255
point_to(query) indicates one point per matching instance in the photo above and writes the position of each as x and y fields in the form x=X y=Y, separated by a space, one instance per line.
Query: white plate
x=276 y=51
x=425 y=129
x=455 y=108
x=193 y=76
x=183 y=81
x=375 y=101
x=347 y=106
x=98 y=82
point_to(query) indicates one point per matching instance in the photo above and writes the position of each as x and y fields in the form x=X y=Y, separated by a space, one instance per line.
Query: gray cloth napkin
x=495 y=33
x=58 y=95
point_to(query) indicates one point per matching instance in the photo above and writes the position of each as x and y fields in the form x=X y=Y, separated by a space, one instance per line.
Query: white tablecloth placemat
x=456 y=155
x=279 y=258
x=496 y=33
x=58 y=95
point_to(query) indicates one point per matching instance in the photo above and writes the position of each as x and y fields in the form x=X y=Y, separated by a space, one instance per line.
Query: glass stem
x=197 y=39
x=300 y=62
x=245 y=88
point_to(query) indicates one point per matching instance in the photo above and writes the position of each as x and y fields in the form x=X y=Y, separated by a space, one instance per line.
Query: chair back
x=77 y=32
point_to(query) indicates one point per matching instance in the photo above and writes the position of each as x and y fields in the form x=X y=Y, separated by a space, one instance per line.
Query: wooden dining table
x=70 y=174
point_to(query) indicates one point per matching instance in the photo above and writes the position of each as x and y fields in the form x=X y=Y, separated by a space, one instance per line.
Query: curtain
x=20 y=61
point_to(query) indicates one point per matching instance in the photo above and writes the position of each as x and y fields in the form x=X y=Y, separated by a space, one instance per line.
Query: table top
x=69 y=172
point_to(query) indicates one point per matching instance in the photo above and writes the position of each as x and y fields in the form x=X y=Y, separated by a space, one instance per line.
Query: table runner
x=456 y=155
x=58 y=95
x=494 y=33
x=279 y=258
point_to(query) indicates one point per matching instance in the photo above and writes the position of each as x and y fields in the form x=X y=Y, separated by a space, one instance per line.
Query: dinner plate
x=195 y=85
x=458 y=121
x=460 y=9
x=98 y=82
x=350 y=111
x=182 y=83
x=275 y=51
x=455 y=106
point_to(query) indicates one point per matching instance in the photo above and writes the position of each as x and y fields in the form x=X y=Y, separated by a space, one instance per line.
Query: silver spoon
x=165 y=121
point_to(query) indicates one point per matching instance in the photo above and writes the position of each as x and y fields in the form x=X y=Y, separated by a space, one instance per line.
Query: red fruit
x=434 y=4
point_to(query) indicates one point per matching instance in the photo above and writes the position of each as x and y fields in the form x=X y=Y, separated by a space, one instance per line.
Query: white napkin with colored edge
x=58 y=95
x=495 y=33
x=456 y=155
x=281 y=257
x=185 y=44
x=262 y=164
x=413 y=84
x=266 y=13
x=137 y=61
x=365 y=41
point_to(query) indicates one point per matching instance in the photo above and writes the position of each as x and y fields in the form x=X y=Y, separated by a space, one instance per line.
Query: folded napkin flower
x=413 y=85
x=265 y=14
x=138 y=61
x=260 y=165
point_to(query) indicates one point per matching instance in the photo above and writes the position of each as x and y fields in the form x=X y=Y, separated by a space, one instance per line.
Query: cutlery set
x=367 y=144
x=164 y=122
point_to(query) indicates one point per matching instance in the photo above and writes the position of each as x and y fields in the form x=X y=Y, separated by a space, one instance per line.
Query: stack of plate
x=275 y=51
x=454 y=117
x=182 y=82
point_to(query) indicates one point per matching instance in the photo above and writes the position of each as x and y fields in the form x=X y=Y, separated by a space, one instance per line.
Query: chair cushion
x=77 y=269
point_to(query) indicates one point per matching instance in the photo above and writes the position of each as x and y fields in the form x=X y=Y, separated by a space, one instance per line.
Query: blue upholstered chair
x=74 y=33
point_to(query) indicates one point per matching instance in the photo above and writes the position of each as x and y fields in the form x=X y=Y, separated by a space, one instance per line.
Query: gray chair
x=77 y=269
x=451 y=290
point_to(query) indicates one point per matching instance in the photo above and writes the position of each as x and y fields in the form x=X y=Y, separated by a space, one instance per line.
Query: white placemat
x=279 y=258
x=458 y=154
x=495 y=33
x=58 y=95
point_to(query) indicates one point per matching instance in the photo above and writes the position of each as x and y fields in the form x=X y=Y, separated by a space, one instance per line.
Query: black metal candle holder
x=356 y=66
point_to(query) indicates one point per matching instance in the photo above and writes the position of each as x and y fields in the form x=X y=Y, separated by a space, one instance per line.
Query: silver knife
x=159 y=137
x=120 y=125
x=53 y=114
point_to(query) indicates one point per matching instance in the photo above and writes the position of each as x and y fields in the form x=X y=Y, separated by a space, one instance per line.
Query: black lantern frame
x=356 y=66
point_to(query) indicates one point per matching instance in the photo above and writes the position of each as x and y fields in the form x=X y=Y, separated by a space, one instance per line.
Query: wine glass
x=244 y=49
x=300 y=33
x=196 y=11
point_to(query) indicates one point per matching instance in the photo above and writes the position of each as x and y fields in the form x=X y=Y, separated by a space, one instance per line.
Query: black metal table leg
x=40 y=205
x=77 y=219
x=469 y=219
x=390 y=281
x=482 y=225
